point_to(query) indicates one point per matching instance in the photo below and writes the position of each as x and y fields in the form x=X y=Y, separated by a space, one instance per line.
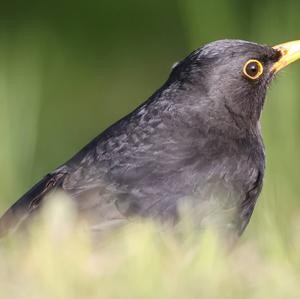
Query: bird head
x=232 y=76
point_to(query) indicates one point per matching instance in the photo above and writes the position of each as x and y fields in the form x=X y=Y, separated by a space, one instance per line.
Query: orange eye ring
x=253 y=69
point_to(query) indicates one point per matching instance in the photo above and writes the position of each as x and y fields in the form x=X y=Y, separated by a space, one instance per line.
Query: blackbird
x=195 y=142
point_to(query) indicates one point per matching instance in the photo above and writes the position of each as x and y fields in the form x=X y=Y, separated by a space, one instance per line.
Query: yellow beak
x=290 y=52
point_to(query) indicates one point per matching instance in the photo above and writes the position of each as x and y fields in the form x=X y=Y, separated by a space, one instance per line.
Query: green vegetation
x=67 y=71
x=144 y=260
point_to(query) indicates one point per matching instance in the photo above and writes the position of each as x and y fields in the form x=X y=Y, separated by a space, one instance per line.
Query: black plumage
x=196 y=140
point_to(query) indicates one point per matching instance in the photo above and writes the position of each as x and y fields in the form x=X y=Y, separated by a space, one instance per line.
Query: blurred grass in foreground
x=143 y=260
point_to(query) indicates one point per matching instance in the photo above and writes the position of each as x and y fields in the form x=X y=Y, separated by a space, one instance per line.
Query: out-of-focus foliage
x=143 y=260
x=68 y=69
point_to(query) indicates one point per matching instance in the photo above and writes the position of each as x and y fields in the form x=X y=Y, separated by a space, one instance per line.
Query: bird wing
x=248 y=204
x=95 y=200
x=30 y=201
x=107 y=200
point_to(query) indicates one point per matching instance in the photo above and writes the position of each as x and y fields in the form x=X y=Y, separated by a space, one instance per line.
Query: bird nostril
x=282 y=51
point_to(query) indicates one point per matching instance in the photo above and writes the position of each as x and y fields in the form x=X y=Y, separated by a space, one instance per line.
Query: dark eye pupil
x=252 y=69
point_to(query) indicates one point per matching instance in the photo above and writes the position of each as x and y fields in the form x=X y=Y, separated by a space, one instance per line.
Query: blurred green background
x=68 y=69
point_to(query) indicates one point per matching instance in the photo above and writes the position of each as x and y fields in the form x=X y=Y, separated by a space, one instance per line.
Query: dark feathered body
x=196 y=140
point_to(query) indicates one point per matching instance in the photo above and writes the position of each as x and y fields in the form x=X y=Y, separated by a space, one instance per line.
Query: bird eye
x=253 y=69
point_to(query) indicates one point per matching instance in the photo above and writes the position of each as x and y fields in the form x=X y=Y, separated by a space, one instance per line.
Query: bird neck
x=218 y=113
